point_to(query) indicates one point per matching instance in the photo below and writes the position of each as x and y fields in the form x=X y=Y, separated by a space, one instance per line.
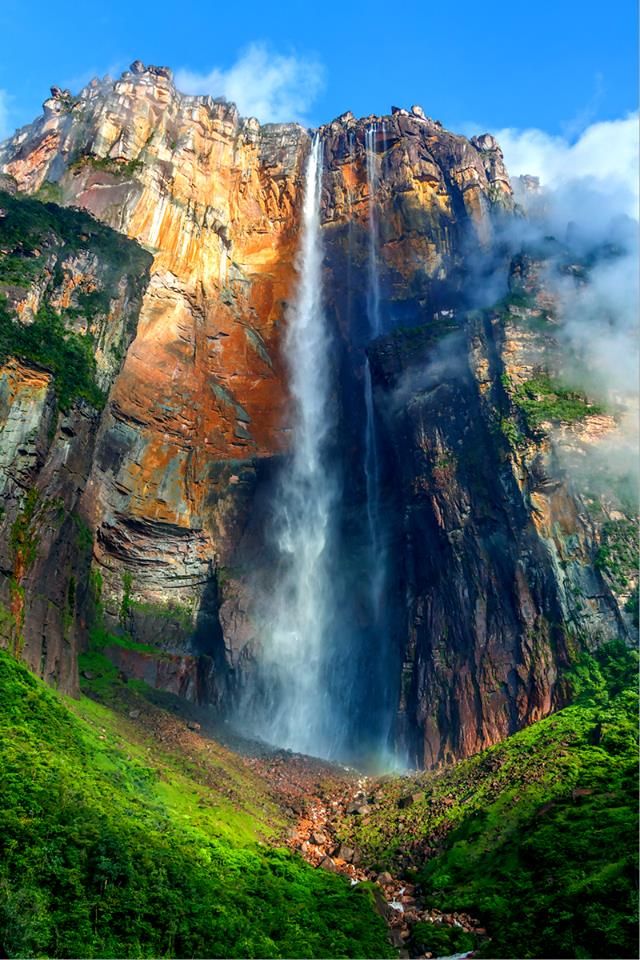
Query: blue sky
x=558 y=66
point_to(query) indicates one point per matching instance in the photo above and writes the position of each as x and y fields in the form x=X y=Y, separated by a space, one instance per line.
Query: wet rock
x=192 y=725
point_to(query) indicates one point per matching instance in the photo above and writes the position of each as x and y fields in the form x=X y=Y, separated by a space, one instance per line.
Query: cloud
x=263 y=84
x=604 y=158
x=589 y=203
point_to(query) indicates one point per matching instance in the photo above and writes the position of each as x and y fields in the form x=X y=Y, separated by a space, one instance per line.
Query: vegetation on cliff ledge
x=40 y=243
x=545 y=398
x=112 y=845
x=69 y=356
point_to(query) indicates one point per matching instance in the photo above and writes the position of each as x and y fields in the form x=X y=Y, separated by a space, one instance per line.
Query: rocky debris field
x=322 y=796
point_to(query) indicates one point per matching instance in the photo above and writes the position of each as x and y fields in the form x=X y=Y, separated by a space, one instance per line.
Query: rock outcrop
x=173 y=477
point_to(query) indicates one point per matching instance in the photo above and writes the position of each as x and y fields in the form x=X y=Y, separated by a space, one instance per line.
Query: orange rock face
x=213 y=198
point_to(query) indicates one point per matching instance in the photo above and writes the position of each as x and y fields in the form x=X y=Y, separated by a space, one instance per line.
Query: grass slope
x=538 y=835
x=112 y=846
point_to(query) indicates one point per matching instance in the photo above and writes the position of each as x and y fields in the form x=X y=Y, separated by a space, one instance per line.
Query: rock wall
x=498 y=539
x=201 y=396
x=71 y=291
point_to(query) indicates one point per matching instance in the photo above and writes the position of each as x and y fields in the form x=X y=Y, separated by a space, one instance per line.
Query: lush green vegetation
x=35 y=239
x=538 y=835
x=111 y=846
x=69 y=356
x=619 y=550
x=30 y=227
x=119 y=167
x=519 y=298
x=179 y=613
x=441 y=940
x=545 y=398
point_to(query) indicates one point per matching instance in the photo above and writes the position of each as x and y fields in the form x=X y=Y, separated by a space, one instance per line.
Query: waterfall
x=372 y=462
x=373 y=291
x=296 y=648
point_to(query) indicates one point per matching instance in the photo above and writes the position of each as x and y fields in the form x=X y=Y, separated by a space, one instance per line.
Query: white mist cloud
x=263 y=84
x=604 y=158
x=589 y=201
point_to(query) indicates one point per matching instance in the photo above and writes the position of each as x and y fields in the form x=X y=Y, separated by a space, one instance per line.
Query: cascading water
x=372 y=460
x=296 y=656
x=320 y=682
x=373 y=292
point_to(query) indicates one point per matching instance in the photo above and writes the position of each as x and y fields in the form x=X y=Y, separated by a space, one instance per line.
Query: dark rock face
x=490 y=578
x=484 y=640
x=494 y=608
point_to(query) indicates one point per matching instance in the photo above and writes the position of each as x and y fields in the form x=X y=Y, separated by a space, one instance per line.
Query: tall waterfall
x=296 y=654
x=372 y=459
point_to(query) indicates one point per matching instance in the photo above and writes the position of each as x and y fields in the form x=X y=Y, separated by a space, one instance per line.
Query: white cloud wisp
x=269 y=86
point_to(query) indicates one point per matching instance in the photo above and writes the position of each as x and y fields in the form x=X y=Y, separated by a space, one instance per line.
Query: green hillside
x=536 y=836
x=111 y=846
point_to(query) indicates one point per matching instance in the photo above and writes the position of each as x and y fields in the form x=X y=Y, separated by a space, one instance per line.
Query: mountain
x=151 y=255
x=306 y=457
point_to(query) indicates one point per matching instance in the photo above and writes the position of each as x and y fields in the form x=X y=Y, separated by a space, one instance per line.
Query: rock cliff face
x=497 y=544
x=492 y=558
x=72 y=293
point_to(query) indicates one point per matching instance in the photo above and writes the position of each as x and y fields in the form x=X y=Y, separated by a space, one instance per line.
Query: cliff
x=491 y=554
x=72 y=290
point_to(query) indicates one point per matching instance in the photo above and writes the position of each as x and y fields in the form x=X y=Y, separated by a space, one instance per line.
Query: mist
x=587 y=200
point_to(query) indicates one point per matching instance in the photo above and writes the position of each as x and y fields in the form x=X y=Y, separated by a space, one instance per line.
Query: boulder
x=358 y=807
x=345 y=853
x=409 y=800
